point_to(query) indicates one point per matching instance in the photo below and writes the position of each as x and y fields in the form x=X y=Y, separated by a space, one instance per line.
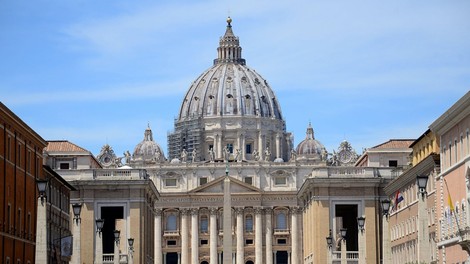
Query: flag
x=66 y=246
x=398 y=198
x=449 y=201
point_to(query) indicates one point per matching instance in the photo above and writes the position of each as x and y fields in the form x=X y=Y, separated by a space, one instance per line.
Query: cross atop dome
x=229 y=50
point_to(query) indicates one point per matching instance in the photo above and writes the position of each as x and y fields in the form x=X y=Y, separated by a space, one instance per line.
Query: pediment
x=236 y=186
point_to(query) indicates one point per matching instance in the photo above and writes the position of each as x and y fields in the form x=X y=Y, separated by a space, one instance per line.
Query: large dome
x=229 y=87
x=230 y=107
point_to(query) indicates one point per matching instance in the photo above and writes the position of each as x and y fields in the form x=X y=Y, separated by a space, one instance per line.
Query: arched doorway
x=204 y=262
x=171 y=258
x=249 y=262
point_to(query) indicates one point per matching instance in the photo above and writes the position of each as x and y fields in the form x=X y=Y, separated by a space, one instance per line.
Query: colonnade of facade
x=259 y=232
x=260 y=144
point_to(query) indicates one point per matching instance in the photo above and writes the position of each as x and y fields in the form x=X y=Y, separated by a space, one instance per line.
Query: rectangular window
x=282 y=241
x=248 y=149
x=9 y=148
x=19 y=227
x=28 y=231
x=170 y=182
x=8 y=224
x=202 y=180
x=18 y=160
x=468 y=142
x=280 y=181
x=450 y=154
x=204 y=242
x=248 y=180
x=455 y=151
x=249 y=242
x=204 y=224
x=393 y=163
x=171 y=242
x=28 y=161
x=64 y=166
x=230 y=147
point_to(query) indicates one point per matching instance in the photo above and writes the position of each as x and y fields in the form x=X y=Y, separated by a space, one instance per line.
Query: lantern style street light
x=385 y=206
x=130 y=241
x=361 y=222
x=329 y=240
x=343 y=232
x=422 y=182
x=42 y=186
x=77 y=209
x=116 y=236
x=99 y=225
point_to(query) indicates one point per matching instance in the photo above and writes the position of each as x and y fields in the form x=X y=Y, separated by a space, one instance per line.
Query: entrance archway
x=171 y=258
x=249 y=262
x=204 y=262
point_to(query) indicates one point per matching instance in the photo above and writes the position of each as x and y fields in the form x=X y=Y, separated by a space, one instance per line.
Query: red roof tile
x=395 y=144
x=65 y=146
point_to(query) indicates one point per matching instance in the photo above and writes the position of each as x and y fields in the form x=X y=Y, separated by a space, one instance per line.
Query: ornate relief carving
x=194 y=211
x=239 y=210
x=213 y=210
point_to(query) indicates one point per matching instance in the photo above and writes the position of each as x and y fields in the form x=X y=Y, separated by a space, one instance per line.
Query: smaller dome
x=148 y=150
x=278 y=160
x=175 y=161
x=310 y=146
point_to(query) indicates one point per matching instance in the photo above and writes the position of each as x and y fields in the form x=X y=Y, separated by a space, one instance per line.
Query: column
x=386 y=247
x=158 y=236
x=227 y=239
x=424 y=252
x=261 y=146
x=258 y=237
x=278 y=146
x=218 y=139
x=41 y=231
x=213 y=235
x=76 y=243
x=184 y=236
x=243 y=147
x=269 y=235
x=240 y=242
x=194 y=236
x=295 y=234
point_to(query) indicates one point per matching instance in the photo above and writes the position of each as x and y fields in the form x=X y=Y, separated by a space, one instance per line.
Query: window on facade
x=248 y=149
x=249 y=242
x=204 y=224
x=280 y=181
x=28 y=231
x=18 y=161
x=170 y=182
x=248 y=223
x=393 y=163
x=171 y=242
x=450 y=154
x=455 y=150
x=281 y=221
x=28 y=162
x=230 y=147
x=64 y=166
x=204 y=242
x=248 y=180
x=19 y=227
x=171 y=223
x=468 y=141
x=9 y=148
x=282 y=241
x=8 y=224
x=202 y=180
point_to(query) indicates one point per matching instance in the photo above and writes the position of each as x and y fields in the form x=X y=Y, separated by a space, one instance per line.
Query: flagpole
x=449 y=200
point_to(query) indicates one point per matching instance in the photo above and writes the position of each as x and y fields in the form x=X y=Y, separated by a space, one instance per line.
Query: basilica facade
x=233 y=187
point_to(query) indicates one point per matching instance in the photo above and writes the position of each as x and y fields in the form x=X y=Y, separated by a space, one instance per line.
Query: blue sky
x=96 y=72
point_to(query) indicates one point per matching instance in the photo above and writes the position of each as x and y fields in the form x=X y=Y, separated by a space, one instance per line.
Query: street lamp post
x=386 y=246
x=423 y=230
x=77 y=209
x=41 y=224
x=329 y=243
x=343 y=232
x=99 y=241
x=362 y=241
x=130 y=241
x=117 y=233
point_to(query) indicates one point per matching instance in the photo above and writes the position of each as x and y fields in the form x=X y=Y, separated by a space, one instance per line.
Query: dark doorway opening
x=171 y=258
x=110 y=214
x=281 y=257
x=204 y=262
x=348 y=214
x=249 y=262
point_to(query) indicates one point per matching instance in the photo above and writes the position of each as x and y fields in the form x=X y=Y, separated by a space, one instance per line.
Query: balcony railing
x=357 y=172
x=171 y=233
x=109 y=258
x=352 y=257
x=278 y=231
